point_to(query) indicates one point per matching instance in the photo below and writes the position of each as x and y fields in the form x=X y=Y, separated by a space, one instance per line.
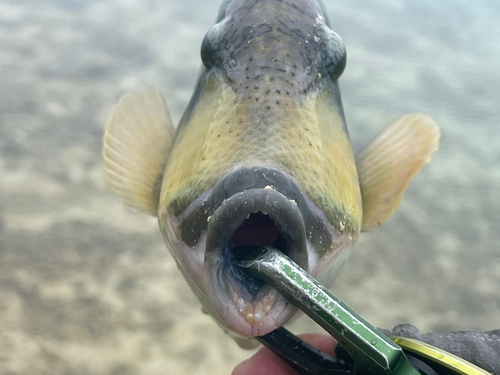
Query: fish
x=261 y=157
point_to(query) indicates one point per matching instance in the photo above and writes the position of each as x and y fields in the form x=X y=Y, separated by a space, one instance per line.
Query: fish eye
x=334 y=57
x=207 y=53
x=210 y=46
x=222 y=10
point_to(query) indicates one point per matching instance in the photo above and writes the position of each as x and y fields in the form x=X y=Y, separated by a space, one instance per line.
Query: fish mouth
x=243 y=222
x=249 y=207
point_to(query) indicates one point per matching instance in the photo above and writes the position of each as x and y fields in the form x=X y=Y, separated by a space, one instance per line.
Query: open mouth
x=237 y=228
x=257 y=230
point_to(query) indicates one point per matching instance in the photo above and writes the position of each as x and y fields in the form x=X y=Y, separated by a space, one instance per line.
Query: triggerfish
x=261 y=156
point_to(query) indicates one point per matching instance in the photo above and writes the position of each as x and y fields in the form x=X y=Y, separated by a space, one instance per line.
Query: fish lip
x=222 y=226
x=193 y=220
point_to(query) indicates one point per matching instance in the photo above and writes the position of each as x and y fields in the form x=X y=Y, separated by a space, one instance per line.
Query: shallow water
x=87 y=286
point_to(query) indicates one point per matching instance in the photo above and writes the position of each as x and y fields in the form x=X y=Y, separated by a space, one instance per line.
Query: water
x=87 y=286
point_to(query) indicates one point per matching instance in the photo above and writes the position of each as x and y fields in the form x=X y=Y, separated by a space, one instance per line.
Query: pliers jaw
x=363 y=349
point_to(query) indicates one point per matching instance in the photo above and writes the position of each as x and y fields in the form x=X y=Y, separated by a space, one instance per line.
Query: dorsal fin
x=387 y=164
x=137 y=141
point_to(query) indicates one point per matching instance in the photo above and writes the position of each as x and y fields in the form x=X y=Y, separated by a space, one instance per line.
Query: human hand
x=265 y=362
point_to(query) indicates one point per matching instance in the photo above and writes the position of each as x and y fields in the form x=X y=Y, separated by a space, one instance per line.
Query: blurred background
x=87 y=285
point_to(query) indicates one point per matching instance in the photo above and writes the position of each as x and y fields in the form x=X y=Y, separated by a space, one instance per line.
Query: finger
x=265 y=362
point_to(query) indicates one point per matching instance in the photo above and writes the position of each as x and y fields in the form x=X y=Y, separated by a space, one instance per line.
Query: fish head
x=262 y=156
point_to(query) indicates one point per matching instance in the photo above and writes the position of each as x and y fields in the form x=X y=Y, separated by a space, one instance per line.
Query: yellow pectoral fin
x=387 y=164
x=137 y=141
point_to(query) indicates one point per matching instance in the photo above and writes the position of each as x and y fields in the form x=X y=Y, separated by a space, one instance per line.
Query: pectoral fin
x=137 y=141
x=387 y=164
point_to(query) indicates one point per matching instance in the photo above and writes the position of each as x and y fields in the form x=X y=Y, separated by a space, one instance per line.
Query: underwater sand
x=87 y=285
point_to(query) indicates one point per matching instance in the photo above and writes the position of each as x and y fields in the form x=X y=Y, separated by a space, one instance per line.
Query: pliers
x=362 y=348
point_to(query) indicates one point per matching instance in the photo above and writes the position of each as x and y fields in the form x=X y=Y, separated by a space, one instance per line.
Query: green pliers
x=362 y=348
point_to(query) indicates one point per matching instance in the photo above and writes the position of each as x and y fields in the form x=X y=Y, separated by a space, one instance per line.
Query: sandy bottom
x=87 y=285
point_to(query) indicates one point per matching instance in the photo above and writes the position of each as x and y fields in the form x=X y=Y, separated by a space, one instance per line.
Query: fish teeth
x=240 y=304
x=248 y=313
x=258 y=313
x=273 y=295
x=269 y=300
x=267 y=305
